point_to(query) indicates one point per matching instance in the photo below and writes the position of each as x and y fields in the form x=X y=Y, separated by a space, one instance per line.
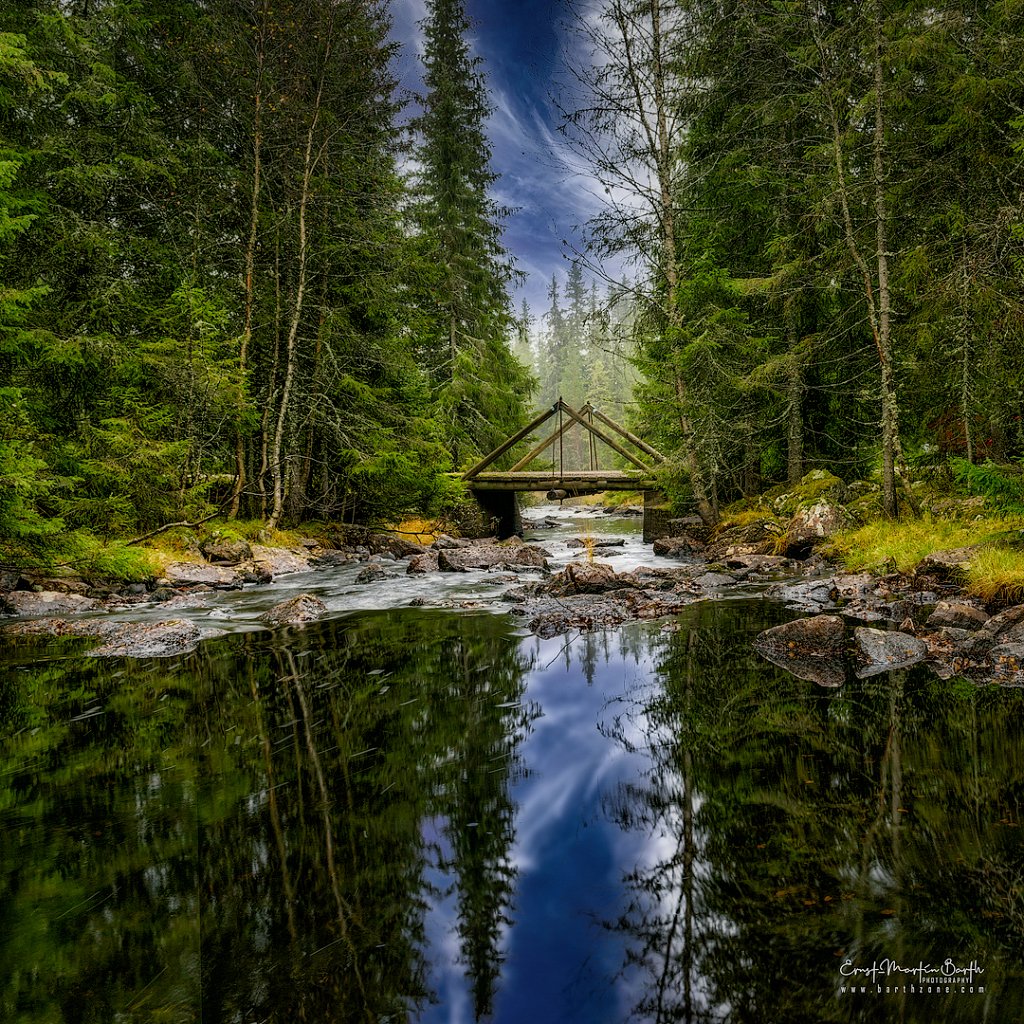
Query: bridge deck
x=570 y=480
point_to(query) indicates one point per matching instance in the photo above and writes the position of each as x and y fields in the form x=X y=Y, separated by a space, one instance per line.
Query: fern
x=1001 y=486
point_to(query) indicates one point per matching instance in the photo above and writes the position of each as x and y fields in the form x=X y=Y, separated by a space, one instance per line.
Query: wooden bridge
x=495 y=490
x=560 y=478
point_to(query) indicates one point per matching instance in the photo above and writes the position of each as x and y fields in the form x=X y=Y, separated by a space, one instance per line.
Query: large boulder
x=491 y=556
x=47 y=602
x=400 y=547
x=949 y=564
x=882 y=650
x=420 y=565
x=586 y=578
x=816 y=486
x=820 y=636
x=224 y=551
x=747 y=533
x=193 y=574
x=957 y=615
x=279 y=561
x=295 y=611
x=680 y=546
x=812 y=524
x=446 y=543
x=1007 y=627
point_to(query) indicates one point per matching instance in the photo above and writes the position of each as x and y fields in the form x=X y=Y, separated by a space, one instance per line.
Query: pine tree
x=479 y=385
x=22 y=471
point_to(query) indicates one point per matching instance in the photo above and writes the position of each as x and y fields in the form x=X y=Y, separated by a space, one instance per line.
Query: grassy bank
x=80 y=553
x=993 y=565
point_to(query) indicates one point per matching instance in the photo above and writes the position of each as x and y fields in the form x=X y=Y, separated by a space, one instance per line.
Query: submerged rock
x=825 y=671
x=295 y=611
x=123 y=639
x=589 y=542
x=808 y=596
x=374 y=573
x=551 y=617
x=152 y=639
x=715 y=580
x=882 y=650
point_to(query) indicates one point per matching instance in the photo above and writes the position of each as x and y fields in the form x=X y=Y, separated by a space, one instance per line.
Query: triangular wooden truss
x=585 y=417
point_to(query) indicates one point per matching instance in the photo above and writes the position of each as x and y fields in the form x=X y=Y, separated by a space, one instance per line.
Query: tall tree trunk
x=890 y=410
x=292 y=344
x=878 y=305
x=659 y=143
x=794 y=404
x=250 y=252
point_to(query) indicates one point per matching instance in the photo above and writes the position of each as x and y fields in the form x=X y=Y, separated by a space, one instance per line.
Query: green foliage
x=1003 y=490
x=461 y=268
x=757 y=221
x=194 y=309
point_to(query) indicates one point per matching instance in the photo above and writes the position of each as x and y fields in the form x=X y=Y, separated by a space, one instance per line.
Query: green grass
x=996 y=569
x=996 y=574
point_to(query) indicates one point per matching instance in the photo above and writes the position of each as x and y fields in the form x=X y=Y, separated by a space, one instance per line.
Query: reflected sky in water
x=411 y=815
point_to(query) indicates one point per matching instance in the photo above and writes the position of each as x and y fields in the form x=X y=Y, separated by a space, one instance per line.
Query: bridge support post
x=500 y=514
x=657 y=513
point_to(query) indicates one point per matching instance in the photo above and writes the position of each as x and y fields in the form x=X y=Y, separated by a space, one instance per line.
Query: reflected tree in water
x=490 y=722
x=791 y=828
x=243 y=834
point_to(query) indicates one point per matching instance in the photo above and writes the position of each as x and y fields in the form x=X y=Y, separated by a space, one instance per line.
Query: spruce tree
x=480 y=387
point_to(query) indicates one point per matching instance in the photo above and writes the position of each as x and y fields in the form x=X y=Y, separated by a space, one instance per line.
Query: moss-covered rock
x=750 y=531
x=817 y=485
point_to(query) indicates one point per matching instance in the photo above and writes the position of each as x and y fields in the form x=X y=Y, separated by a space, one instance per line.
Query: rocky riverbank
x=848 y=624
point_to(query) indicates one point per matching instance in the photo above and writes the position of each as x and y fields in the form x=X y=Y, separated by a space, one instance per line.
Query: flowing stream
x=421 y=814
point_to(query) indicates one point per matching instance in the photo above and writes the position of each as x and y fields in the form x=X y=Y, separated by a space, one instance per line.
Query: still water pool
x=420 y=815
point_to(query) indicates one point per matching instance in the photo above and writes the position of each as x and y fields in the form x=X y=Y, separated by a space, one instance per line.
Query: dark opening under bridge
x=496 y=489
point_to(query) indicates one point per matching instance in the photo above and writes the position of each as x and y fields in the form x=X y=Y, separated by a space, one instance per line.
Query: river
x=426 y=814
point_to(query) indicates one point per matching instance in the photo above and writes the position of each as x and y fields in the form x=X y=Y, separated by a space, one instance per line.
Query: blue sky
x=522 y=44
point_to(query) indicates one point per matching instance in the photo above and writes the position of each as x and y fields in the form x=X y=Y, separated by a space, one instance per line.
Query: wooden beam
x=513 y=440
x=550 y=439
x=592 y=480
x=547 y=475
x=642 y=445
x=600 y=434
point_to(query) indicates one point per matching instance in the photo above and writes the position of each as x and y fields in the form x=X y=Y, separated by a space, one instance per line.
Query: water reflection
x=262 y=845
x=796 y=830
x=371 y=819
